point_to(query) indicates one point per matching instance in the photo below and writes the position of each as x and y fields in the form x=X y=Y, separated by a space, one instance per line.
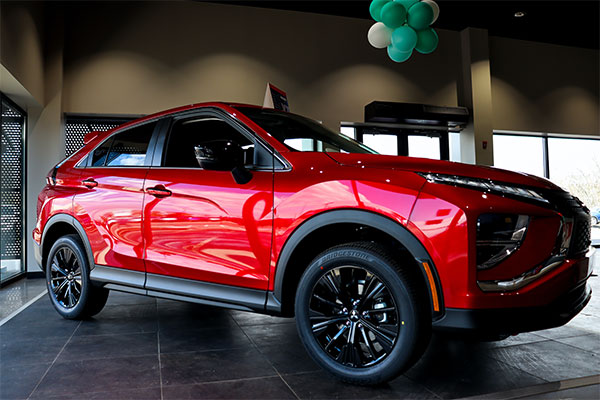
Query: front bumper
x=510 y=321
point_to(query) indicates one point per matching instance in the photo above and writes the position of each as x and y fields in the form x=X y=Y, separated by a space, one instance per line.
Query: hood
x=441 y=167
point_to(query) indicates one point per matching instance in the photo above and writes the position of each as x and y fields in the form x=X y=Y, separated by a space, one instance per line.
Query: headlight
x=485 y=185
x=498 y=237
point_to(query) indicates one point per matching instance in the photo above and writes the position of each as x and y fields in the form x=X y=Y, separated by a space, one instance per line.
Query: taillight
x=51 y=177
x=498 y=237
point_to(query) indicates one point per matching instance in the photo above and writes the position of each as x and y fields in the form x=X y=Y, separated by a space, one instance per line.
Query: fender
x=71 y=220
x=373 y=220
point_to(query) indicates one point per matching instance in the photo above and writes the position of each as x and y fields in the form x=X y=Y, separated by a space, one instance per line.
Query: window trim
x=162 y=140
x=86 y=161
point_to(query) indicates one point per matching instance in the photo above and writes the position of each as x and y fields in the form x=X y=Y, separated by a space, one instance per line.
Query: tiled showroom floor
x=143 y=348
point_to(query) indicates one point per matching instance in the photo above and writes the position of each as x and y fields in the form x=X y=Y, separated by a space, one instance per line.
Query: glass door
x=12 y=179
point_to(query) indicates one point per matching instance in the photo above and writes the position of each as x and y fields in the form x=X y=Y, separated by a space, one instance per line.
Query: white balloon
x=380 y=36
x=435 y=7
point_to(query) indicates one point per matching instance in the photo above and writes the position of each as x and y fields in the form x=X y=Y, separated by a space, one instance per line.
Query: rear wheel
x=68 y=282
x=360 y=315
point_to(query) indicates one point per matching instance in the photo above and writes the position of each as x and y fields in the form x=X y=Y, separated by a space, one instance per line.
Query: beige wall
x=31 y=75
x=21 y=45
x=143 y=62
x=544 y=88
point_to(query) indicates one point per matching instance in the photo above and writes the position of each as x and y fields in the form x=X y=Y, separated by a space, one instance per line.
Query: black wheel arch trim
x=71 y=220
x=368 y=218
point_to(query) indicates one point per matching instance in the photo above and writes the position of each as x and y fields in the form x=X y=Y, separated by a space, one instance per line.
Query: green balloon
x=404 y=38
x=393 y=15
x=398 y=56
x=427 y=41
x=375 y=8
x=420 y=16
x=407 y=3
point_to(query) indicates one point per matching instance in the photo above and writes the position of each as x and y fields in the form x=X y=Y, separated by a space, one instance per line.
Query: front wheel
x=360 y=315
x=68 y=282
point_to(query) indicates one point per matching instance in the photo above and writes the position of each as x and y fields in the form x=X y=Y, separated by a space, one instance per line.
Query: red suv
x=260 y=210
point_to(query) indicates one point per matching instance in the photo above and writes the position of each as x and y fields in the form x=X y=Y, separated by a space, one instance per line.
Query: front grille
x=581 y=239
x=572 y=208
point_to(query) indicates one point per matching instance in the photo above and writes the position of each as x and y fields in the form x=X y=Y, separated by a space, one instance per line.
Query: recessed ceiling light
x=520 y=14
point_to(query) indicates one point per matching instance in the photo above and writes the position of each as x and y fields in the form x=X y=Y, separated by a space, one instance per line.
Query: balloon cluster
x=403 y=26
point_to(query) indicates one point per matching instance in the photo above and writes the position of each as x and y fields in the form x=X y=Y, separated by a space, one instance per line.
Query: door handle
x=159 y=191
x=90 y=183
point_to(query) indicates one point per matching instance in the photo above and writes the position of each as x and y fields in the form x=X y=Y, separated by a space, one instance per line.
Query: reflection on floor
x=143 y=348
x=16 y=294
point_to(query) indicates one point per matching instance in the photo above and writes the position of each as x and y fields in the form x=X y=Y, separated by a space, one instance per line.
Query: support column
x=475 y=93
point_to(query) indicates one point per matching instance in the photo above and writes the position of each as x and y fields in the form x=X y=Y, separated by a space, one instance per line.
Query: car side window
x=99 y=156
x=125 y=149
x=188 y=133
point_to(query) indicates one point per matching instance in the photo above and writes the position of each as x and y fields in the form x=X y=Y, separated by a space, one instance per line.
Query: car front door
x=201 y=226
x=110 y=205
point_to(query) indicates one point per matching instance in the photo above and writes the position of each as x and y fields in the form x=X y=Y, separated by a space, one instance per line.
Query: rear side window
x=186 y=134
x=125 y=149
x=99 y=156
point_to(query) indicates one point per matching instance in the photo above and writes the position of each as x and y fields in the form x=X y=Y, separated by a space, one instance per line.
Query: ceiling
x=569 y=23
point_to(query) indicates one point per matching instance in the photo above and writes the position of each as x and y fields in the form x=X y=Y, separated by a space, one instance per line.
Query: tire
x=68 y=280
x=357 y=347
x=594 y=220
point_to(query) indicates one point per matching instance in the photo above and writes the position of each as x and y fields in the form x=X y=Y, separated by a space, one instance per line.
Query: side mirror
x=223 y=155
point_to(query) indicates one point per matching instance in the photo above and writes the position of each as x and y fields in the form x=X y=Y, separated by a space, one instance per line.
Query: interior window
x=186 y=134
x=128 y=148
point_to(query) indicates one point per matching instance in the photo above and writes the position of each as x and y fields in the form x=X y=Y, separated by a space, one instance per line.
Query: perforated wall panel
x=11 y=181
x=77 y=127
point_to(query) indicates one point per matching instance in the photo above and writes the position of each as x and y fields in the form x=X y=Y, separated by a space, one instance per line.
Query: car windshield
x=303 y=134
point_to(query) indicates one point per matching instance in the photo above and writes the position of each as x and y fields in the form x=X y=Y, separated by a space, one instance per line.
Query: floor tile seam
x=571 y=336
x=220 y=349
x=242 y=326
x=542 y=339
x=54 y=361
x=196 y=330
x=109 y=334
x=87 y=394
x=268 y=361
x=542 y=388
x=529 y=373
x=22 y=308
x=434 y=394
x=220 y=382
x=578 y=348
x=301 y=373
x=160 y=378
x=114 y=334
x=516 y=367
x=119 y=357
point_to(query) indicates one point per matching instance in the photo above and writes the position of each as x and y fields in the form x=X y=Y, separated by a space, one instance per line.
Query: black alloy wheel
x=360 y=315
x=67 y=278
x=354 y=318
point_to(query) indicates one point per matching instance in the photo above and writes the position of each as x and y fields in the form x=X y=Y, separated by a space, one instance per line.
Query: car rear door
x=200 y=225
x=110 y=207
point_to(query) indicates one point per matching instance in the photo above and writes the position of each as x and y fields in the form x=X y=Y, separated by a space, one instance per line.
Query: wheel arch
x=286 y=271
x=59 y=225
